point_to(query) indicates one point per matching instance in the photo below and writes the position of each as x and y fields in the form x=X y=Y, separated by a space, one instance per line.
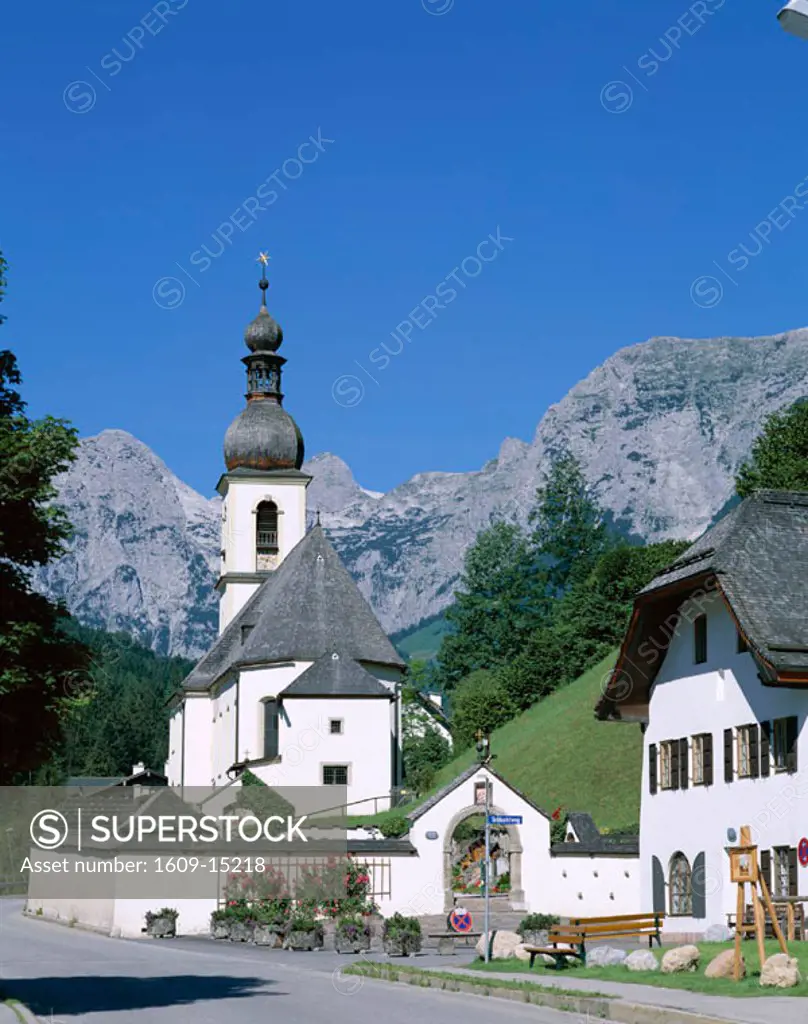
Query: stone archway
x=517 y=895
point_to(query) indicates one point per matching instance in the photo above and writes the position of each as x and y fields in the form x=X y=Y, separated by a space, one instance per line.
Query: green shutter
x=754 y=751
x=698 y=887
x=728 y=755
x=708 y=759
x=683 y=763
x=766 y=867
x=658 y=886
x=792 y=732
x=793 y=880
x=652 y=768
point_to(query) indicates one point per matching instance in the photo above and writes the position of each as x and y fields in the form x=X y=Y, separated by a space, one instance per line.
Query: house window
x=700 y=639
x=780 y=881
x=335 y=774
x=666 y=765
x=744 y=741
x=697 y=748
x=271 y=730
x=785 y=732
x=680 y=886
x=335 y=726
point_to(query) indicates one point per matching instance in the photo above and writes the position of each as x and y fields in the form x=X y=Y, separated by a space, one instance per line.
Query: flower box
x=242 y=931
x=220 y=929
x=161 y=924
x=268 y=935
x=402 y=945
x=305 y=940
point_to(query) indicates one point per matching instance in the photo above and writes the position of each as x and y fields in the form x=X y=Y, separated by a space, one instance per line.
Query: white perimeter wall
x=583 y=885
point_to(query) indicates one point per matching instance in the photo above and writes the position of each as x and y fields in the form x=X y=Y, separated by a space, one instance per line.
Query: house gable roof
x=756 y=558
x=305 y=608
x=336 y=675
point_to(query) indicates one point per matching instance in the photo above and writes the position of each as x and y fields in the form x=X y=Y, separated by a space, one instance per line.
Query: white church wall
x=223 y=708
x=307 y=745
x=198 y=740
x=591 y=885
x=256 y=686
x=688 y=699
x=173 y=765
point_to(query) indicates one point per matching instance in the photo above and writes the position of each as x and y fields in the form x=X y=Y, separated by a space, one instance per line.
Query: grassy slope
x=557 y=754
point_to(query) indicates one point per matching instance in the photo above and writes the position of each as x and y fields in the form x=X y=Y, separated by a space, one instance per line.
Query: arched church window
x=267 y=528
x=680 y=886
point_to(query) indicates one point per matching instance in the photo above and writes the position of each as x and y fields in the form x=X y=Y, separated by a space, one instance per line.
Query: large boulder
x=723 y=965
x=641 y=960
x=605 y=956
x=681 y=959
x=780 y=971
x=503 y=947
x=521 y=952
x=719 y=933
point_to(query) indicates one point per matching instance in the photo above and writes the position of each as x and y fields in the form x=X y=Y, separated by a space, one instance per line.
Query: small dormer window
x=700 y=640
x=245 y=632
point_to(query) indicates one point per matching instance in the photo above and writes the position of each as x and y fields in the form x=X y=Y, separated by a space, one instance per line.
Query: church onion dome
x=264 y=334
x=263 y=436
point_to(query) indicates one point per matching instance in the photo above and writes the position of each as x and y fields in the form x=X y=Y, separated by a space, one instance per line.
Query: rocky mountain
x=660 y=429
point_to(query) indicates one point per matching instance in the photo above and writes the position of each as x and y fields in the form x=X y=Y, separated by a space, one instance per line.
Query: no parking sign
x=460 y=920
x=802 y=852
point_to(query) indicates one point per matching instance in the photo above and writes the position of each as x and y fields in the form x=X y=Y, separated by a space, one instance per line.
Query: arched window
x=680 y=886
x=266 y=534
x=271 y=726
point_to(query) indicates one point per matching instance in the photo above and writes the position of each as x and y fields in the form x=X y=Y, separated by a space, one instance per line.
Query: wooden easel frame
x=744 y=870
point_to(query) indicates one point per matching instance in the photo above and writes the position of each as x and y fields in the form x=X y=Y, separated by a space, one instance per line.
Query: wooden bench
x=447 y=940
x=569 y=940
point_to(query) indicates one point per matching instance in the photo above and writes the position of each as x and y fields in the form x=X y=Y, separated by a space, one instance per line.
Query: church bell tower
x=264 y=490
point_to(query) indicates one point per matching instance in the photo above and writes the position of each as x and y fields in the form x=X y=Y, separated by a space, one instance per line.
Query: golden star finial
x=263 y=257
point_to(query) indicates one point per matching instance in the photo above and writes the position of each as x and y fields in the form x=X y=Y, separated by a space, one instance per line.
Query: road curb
x=13 y=1012
x=599 y=1007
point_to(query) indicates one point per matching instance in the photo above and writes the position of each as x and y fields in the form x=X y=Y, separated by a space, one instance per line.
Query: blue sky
x=626 y=150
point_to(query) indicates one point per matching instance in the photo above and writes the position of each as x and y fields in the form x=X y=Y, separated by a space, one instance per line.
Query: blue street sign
x=504 y=819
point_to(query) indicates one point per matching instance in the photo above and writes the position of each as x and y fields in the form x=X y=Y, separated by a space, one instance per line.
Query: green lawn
x=696 y=982
x=559 y=755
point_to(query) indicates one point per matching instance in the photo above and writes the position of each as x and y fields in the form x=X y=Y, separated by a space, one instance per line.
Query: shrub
x=394 y=827
x=399 y=926
x=154 y=915
x=537 y=923
x=352 y=928
x=303 y=920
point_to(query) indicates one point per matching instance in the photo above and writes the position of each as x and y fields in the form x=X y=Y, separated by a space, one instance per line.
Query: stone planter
x=402 y=945
x=536 y=938
x=268 y=935
x=304 y=940
x=242 y=931
x=162 y=927
x=359 y=944
x=220 y=929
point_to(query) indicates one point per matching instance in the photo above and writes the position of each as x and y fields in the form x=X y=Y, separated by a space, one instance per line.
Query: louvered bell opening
x=267 y=528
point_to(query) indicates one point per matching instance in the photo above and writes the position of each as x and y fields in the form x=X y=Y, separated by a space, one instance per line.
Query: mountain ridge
x=660 y=429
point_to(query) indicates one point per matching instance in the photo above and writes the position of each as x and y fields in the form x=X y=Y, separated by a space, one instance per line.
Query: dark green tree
x=39 y=663
x=779 y=455
x=569 y=533
x=423 y=755
x=479 y=702
x=500 y=599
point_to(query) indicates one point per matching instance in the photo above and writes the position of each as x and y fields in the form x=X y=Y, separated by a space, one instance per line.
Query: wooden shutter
x=708 y=759
x=698 y=887
x=673 y=747
x=652 y=768
x=658 y=886
x=728 y=755
x=766 y=867
x=683 y=763
x=754 y=751
x=793 y=881
x=791 y=743
x=765 y=747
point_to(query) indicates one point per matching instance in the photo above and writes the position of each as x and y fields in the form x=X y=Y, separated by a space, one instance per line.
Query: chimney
x=138 y=768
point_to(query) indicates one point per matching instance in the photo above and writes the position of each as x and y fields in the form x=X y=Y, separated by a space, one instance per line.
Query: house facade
x=714 y=670
x=302 y=685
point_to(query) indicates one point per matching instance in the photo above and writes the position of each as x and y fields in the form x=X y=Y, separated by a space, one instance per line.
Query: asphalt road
x=68 y=976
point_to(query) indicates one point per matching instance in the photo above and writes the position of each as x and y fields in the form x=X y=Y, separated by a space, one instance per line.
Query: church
x=302 y=686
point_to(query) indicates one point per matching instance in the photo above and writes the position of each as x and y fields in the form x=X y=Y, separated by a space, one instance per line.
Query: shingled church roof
x=335 y=675
x=756 y=557
x=309 y=606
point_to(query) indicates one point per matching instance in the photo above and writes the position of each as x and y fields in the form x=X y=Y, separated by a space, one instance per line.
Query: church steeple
x=264 y=436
